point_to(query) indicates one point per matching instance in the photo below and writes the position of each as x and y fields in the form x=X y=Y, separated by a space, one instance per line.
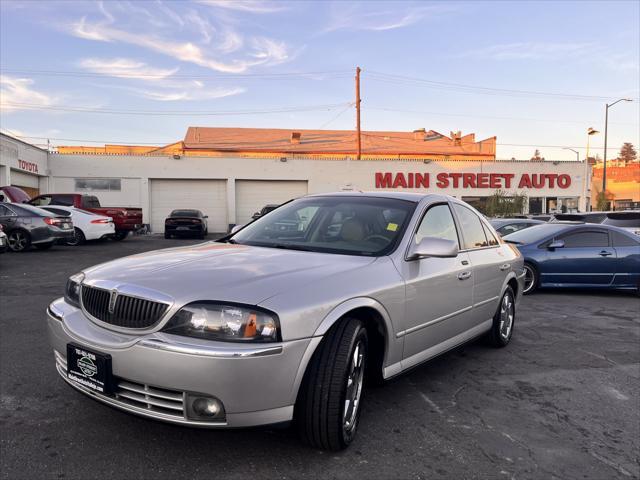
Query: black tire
x=120 y=235
x=531 y=279
x=322 y=407
x=44 y=246
x=504 y=320
x=167 y=235
x=19 y=240
x=78 y=238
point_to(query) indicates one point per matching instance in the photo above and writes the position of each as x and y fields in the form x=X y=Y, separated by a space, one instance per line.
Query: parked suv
x=125 y=219
x=26 y=225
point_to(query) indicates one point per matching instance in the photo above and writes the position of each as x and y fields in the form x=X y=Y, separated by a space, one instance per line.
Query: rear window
x=535 y=234
x=28 y=210
x=628 y=220
x=185 y=213
x=90 y=202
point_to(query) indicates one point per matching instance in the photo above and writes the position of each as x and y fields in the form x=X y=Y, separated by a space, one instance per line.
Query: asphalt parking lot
x=561 y=401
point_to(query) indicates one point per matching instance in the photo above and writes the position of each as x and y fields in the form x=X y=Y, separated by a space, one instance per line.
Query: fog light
x=205 y=408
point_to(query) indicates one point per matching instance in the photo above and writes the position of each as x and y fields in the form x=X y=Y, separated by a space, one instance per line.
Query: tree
x=501 y=205
x=537 y=157
x=628 y=153
x=603 y=201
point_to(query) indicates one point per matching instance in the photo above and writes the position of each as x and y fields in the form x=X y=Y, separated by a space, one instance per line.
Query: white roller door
x=208 y=196
x=22 y=179
x=252 y=195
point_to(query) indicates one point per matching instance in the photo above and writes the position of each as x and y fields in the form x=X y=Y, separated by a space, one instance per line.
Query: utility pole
x=359 y=139
x=606 y=125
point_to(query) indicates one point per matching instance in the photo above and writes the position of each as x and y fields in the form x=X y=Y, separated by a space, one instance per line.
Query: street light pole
x=606 y=125
x=574 y=151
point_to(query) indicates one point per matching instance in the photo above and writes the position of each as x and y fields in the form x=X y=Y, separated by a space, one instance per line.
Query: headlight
x=229 y=323
x=72 y=291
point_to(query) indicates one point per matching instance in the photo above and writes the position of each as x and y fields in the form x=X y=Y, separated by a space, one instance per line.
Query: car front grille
x=127 y=312
x=160 y=402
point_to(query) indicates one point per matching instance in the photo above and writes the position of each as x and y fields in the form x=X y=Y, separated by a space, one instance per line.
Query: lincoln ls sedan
x=272 y=325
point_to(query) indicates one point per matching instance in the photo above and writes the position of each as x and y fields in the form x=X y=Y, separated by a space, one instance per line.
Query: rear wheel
x=328 y=406
x=530 y=279
x=504 y=320
x=19 y=240
x=78 y=238
x=120 y=235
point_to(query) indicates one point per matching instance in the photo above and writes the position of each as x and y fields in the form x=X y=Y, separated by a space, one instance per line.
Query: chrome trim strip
x=484 y=302
x=433 y=322
x=55 y=312
x=217 y=352
x=137 y=410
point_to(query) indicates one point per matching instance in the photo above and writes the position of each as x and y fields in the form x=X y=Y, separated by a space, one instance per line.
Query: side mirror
x=556 y=244
x=235 y=228
x=255 y=215
x=433 y=247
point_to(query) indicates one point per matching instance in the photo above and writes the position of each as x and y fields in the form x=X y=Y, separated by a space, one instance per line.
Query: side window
x=42 y=200
x=5 y=212
x=90 y=202
x=64 y=200
x=586 y=239
x=491 y=238
x=471 y=225
x=437 y=222
x=622 y=240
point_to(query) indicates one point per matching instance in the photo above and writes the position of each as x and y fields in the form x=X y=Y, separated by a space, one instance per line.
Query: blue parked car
x=578 y=256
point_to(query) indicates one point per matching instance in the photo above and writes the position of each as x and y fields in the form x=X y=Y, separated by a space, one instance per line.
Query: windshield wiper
x=288 y=246
x=515 y=242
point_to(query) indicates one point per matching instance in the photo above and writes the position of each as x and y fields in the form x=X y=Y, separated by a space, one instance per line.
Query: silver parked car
x=270 y=325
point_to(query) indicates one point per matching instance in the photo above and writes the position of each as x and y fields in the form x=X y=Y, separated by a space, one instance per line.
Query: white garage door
x=252 y=195
x=208 y=196
x=24 y=179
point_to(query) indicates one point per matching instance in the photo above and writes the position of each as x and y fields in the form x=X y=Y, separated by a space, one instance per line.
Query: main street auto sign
x=472 y=180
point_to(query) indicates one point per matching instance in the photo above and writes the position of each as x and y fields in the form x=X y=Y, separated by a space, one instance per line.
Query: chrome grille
x=127 y=312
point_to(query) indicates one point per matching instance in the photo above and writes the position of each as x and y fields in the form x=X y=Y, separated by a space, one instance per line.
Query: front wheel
x=504 y=320
x=530 y=279
x=328 y=405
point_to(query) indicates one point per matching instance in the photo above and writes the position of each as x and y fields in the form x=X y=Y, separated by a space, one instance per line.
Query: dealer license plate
x=89 y=369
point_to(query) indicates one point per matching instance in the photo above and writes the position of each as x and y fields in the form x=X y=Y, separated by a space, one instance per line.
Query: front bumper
x=156 y=373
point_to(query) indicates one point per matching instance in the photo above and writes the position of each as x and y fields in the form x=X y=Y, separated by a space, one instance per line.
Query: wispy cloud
x=15 y=90
x=125 y=68
x=368 y=16
x=531 y=50
x=192 y=94
x=250 y=6
x=211 y=51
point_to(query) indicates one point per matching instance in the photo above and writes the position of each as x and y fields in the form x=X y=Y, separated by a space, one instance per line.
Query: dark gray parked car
x=26 y=225
x=505 y=226
x=186 y=223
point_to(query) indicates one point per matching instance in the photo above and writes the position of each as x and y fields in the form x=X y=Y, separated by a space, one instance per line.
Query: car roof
x=506 y=221
x=407 y=196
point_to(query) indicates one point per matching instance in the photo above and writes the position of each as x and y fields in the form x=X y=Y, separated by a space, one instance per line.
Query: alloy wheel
x=529 y=279
x=18 y=241
x=355 y=380
x=507 y=312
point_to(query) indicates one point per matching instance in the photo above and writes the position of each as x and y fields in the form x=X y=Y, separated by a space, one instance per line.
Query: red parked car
x=13 y=194
x=124 y=219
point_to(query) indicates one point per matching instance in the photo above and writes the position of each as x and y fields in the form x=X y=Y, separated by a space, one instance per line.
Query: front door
x=439 y=291
x=585 y=260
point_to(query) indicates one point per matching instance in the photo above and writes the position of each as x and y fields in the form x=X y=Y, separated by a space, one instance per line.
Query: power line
x=151 y=76
x=61 y=108
x=335 y=117
x=447 y=114
x=467 y=88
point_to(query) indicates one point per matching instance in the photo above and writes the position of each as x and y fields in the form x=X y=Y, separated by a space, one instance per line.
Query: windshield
x=185 y=213
x=341 y=224
x=534 y=234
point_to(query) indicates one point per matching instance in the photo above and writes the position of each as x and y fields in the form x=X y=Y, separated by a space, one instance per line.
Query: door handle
x=464 y=275
x=504 y=266
x=604 y=253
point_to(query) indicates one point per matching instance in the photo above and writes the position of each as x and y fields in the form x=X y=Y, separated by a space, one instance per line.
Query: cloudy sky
x=534 y=74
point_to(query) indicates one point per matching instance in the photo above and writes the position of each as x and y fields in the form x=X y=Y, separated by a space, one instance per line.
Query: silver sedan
x=286 y=318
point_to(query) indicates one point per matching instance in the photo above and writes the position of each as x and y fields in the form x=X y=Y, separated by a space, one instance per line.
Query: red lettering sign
x=28 y=166
x=472 y=180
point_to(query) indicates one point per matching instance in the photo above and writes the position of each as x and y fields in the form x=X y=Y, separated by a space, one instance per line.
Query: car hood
x=217 y=271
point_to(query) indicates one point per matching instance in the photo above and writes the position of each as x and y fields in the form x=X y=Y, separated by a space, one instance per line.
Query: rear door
x=489 y=264
x=587 y=259
x=627 y=269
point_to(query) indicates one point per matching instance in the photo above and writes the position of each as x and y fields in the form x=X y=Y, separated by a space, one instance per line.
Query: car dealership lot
x=562 y=400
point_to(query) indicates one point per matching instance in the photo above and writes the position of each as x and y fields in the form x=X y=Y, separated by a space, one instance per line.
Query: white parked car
x=4 y=243
x=87 y=225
